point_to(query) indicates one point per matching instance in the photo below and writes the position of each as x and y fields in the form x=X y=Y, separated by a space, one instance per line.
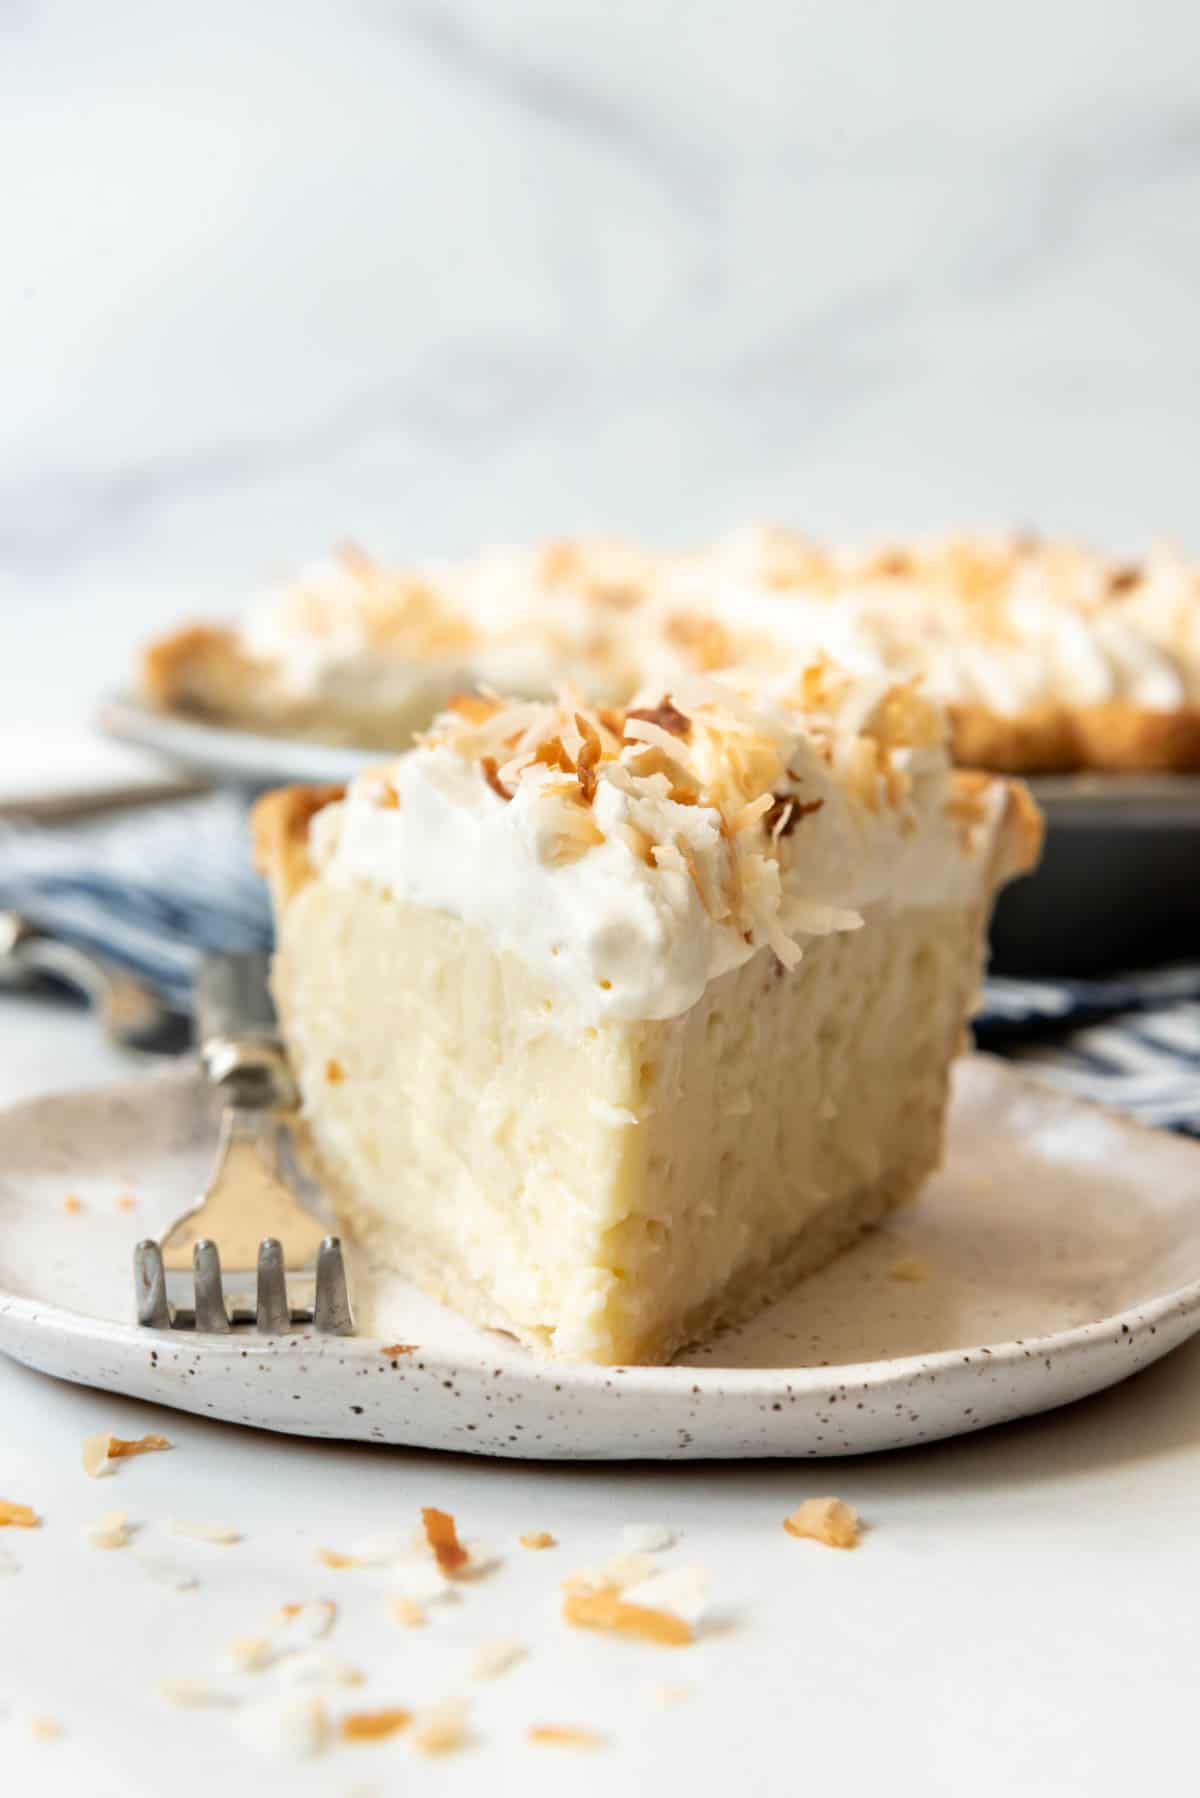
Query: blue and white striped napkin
x=154 y=887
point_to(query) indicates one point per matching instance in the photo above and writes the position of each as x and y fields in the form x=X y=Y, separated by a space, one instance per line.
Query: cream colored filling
x=608 y=1192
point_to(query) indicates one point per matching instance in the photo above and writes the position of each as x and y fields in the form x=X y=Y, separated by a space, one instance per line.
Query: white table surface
x=431 y=275
x=1019 y=1619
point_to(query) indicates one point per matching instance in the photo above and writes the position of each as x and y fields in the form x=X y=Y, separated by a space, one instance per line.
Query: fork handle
x=233 y=998
x=238 y=1030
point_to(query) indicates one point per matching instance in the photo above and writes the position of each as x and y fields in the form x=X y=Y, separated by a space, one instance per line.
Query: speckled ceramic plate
x=1060 y=1246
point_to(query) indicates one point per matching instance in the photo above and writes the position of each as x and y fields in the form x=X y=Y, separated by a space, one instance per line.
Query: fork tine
x=211 y=1315
x=273 y=1316
x=150 y=1284
x=331 y=1306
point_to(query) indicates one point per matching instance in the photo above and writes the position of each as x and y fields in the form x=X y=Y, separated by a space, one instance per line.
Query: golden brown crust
x=1022 y=833
x=191 y=668
x=1115 y=738
x=279 y=826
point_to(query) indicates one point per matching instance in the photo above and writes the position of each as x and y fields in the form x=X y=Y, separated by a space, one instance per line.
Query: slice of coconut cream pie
x=611 y=1025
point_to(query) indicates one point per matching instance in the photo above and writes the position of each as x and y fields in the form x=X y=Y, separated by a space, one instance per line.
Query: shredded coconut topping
x=634 y=856
x=1009 y=623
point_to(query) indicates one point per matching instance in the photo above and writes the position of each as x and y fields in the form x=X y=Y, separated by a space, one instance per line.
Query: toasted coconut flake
x=408 y=1612
x=666 y=716
x=647 y=1538
x=538 y=1539
x=45 y=1729
x=607 y=1610
x=491 y=1659
x=443 y=1729
x=909 y=1268
x=293 y=1726
x=442 y=1537
x=381 y=792
x=551 y=753
x=785 y=812
x=680 y=1591
x=475 y=708
x=373 y=1726
x=629 y=1568
x=20 y=1517
x=399 y=1348
x=335 y=1073
x=110 y=1531
x=665 y=1695
x=101 y=1451
x=220 y=1533
x=487 y=764
x=306 y=1621
x=330 y=1557
x=192 y=1694
x=826 y=1520
x=318 y=1667
x=588 y=758
x=73 y=1204
x=250 y=1654
x=564 y=1735
x=166 y=1572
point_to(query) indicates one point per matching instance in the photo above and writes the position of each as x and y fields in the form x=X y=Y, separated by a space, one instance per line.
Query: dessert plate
x=1057 y=1253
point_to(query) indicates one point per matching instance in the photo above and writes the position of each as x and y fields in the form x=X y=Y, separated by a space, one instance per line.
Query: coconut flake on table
x=288 y=1726
x=647 y=1538
x=221 y=1533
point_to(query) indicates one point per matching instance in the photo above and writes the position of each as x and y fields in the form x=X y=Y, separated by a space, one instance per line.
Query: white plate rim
x=571 y=1411
x=1146 y=1316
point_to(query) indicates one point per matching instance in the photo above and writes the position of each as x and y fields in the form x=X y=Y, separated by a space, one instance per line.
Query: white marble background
x=430 y=271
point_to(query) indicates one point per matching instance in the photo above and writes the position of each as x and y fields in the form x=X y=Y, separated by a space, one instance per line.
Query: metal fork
x=251 y=1215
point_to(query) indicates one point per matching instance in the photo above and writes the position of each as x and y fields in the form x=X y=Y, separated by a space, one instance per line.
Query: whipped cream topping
x=348 y=625
x=630 y=858
x=1010 y=626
